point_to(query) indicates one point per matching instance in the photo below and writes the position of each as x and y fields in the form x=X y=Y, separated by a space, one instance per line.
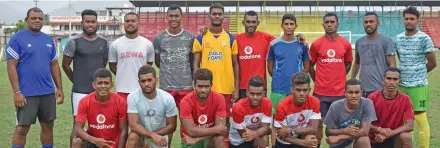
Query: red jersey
x=294 y=116
x=252 y=53
x=243 y=115
x=330 y=57
x=391 y=113
x=103 y=119
x=203 y=115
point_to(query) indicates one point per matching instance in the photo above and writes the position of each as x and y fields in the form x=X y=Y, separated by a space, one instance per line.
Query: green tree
x=19 y=26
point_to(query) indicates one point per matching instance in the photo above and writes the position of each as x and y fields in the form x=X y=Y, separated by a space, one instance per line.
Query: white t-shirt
x=130 y=54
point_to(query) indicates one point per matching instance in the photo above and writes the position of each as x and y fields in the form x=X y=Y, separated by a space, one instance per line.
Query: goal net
x=312 y=36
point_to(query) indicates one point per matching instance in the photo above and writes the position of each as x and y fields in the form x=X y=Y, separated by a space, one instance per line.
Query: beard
x=149 y=91
x=89 y=32
x=131 y=32
x=371 y=32
x=202 y=95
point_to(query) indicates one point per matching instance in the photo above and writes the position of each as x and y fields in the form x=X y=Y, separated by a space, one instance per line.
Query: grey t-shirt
x=175 y=66
x=373 y=62
x=88 y=56
x=338 y=117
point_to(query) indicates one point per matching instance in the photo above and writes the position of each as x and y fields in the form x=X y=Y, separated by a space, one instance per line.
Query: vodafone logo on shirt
x=100 y=119
x=248 y=51
x=331 y=53
x=203 y=119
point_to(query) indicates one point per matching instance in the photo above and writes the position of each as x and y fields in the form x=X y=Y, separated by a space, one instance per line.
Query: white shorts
x=76 y=97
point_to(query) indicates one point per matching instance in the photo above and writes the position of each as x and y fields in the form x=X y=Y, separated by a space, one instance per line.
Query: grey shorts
x=43 y=107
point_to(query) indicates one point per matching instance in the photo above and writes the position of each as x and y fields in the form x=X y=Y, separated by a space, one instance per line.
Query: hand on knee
x=133 y=140
x=77 y=143
x=405 y=139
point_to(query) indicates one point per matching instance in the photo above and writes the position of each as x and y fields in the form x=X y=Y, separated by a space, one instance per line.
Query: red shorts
x=228 y=104
x=123 y=95
x=178 y=95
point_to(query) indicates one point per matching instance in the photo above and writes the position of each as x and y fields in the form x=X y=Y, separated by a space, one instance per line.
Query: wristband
x=17 y=92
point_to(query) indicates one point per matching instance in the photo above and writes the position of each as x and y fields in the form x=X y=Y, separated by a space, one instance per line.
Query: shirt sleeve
x=13 y=49
x=234 y=47
x=106 y=49
x=267 y=112
x=313 y=53
x=156 y=44
x=185 y=109
x=389 y=47
x=316 y=113
x=171 y=108
x=150 y=53
x=348 y=57
x=83 y=110
x=428 y=45
x=280 y=116
x=197 y=44
x=113 y=53
x=69 y=49
x=269 y=38
x=237 y=118
x=131 y=103
x=221 y=106
x=54 y=55
x=122 y=109
x=305 y=55
x=370 y=113
x=409 y=110
x=271 y=55
x=330 y=119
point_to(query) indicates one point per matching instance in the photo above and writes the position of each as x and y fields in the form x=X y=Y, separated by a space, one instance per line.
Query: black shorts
x=249 y=144
x=43 y=107
x=388 y=143
x=325 y=102
x=365 y=94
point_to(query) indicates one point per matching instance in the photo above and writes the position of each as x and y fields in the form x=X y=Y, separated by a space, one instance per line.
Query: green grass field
x=63 y=123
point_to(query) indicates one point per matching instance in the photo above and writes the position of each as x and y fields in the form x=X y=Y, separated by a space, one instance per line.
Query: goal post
x=2 y=53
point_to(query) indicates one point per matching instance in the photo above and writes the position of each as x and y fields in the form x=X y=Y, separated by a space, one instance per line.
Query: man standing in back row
x=415 y=50
x=32 y=64
x=252 y=51
x=217 y=51
x=127 y=54
x=374 y=54
x=88 y=52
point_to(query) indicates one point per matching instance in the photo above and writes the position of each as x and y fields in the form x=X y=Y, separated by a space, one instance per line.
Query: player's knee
x=76 y=143
x=405 y=137
x=46 y=126
x=22 y=130
x=362 y=142
x=133 y=139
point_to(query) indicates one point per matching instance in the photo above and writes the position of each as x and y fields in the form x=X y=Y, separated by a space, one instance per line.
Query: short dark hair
x=391 y=69
x=131 y=13
x=202 y=74
x=34 y=9
x=372 y=13
x=251 y=13
x=411 y=10
x=216 y=5
x=102 y=73
x=329 y=14
x=146 y=69
x=301 y=78
x=89 y=12
x=256 y=81
x=290 y=17
x=352 y=81
x=175 y=7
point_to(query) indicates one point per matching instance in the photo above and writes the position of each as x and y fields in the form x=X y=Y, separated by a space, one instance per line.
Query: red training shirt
x=203 y=115
x=103 y=119
x=243 y=115
x=252 y=53
x=294 y=116
x=391 y=113
x=330 y=57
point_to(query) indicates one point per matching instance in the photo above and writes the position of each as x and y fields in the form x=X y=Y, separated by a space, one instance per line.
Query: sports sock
x=424 y=131
x=47 y=145
x=14 y=146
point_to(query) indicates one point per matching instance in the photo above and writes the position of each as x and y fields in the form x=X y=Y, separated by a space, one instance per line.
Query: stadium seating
x=152 y=23
x=430 y=27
